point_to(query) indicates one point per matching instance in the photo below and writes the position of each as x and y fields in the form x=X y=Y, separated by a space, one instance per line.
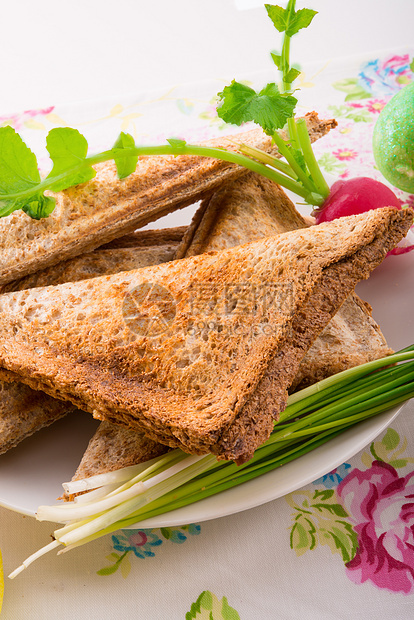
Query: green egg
x=393 y=140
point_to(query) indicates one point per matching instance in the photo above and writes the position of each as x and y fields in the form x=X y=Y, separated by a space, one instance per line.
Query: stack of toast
x=189 y=337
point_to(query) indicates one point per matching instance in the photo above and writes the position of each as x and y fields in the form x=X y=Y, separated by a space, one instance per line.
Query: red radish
x=357 y=196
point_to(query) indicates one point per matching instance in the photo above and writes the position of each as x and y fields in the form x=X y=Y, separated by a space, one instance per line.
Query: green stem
x=284 y=150
x=395 y=375
x=306 y=397
x=340 y=410
x=285 y=62
x=285 y=56
x=188 y=149
x=293 y=134
x=267 y=159
x=321 y=185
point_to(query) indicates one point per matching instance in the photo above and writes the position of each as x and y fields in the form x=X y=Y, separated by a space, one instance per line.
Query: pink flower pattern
x=17 y=120
x=381 y=506
x=345 y=154
x=376 y=105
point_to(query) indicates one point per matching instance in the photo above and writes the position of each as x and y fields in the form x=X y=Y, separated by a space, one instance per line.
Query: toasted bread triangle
x=242 y=211
x=253 y=207
x=99 y=211
x=199 y=387
x=24 y=411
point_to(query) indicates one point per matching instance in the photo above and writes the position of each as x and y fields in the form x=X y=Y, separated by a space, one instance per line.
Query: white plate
x=32 y=473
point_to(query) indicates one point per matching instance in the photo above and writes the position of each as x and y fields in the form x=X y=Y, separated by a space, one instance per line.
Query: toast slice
x=114 y=446
x=196 y=353
x=248 y=209
x=253 y=207
x=103 y=209
x=23 y=411
x=96 y=263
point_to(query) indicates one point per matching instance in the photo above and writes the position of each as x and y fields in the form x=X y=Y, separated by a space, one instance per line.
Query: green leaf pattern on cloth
x=320 y=519
x=142 y=544
x=390 y=449
x=352 y=88
x=209 y=607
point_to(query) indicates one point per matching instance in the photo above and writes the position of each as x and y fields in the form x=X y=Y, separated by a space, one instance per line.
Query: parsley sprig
x=21 y=185
x=273 y=108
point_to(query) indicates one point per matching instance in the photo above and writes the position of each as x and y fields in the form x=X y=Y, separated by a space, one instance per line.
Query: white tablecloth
x=340 y=547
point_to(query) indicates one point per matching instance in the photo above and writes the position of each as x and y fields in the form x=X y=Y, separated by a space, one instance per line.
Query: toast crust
x=252 y=428
x=200 y=405
x=147 y=238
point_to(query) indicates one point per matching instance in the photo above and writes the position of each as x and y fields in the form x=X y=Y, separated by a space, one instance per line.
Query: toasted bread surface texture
x=253 y=207
x=182 y=350
x=94 y=213
x=246 y=210
x=23 y=411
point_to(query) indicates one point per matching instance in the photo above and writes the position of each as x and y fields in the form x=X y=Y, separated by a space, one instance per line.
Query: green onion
x=312 y=417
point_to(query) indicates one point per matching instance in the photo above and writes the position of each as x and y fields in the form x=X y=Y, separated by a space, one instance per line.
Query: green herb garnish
x=273 y=109
x=21 y=186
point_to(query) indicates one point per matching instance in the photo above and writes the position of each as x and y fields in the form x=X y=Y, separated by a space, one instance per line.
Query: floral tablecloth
x=341 y=547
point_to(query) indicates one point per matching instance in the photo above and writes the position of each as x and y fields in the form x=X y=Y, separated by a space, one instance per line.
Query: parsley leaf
x=39 y=208
x=18 y=169
x=286 y=20
x=176 y=142
x=125 y=165
x=68 y=149
x=268 y=108
x=19 y=173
